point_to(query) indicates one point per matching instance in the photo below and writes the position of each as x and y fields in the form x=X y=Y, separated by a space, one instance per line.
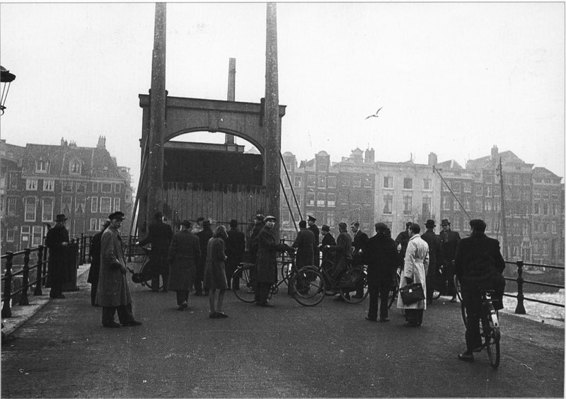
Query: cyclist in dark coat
x=159 y=235
x=381 y=258
x=479 y=266
x=304 y=244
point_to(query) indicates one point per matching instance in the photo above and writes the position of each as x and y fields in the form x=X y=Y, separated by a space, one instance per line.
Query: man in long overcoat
x=359 y=243
x=94 y=271
x=434 y=257
x=316 y=233
x=204 y=235
x=414 y=271
x=159 y=235
x=304 y=244
x=266 y=262
x=381 y=258
x=113 y=293
x=184 y=254
x=57 y=240
x=448 y=242
x=235 y=248
x=342 y=249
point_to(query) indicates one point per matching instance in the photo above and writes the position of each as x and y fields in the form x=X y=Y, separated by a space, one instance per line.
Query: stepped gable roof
x=450 y=164
x=95 y=162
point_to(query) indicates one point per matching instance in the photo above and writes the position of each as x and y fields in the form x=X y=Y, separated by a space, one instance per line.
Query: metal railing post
x=45 y=268
x=520 y=309
x=25 y=283
x=38 y=272
x=6 y=310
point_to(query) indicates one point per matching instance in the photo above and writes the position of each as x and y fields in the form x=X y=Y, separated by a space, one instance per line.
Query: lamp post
x=6 y=79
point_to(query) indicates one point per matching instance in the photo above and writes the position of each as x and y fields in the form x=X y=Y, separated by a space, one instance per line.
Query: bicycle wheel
x=146 y=274
x=286 y=270
x=358 y=290
x=493 y=337
x=242 y=286
x=307 y=286
x=394 y=291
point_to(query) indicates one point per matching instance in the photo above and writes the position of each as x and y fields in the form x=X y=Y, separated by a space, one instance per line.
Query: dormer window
x=41 y=166
x=75 y=167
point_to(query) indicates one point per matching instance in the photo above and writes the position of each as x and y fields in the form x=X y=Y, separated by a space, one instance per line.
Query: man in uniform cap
x=314 y=228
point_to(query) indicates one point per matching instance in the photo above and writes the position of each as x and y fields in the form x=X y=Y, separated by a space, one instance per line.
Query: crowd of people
x=198 y=259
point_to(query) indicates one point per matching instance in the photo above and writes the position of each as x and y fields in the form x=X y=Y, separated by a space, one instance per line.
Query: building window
x=105 y=205
x=445 y=187
x=388 y=204
x=94 y=187
x=93 y=224
x=31 y=184
x=67 y=186
x=101 y=223
x=488 y=205
x=407 y=204
x=479 y=190
x=457 y=224
x=298 y=181
x=479 y=205
x=66 y=204
x=118 y=188
x=29 y=209
x=356 y=182
x=47 y=209
x=446 y=203
x=321 y=181
x=331 y=181
x=106 y=188
x=10 y=235
x=41 y=166
x=367 y=181
x=387 y=182
x=331 y=199
x=488 y=191
x=80 y=205
x=75 y=167
x=14 y=180
x=310 y=198
x=427 y=184
x=455 y=186
x=116 y=204
x=48 y=185
x=11 y=206
x=311 y=181
x=36 y=236
x=408 y=183
x=553 y=226
x=320 y=199
x=94 y=205
x=467 y=187
x=427 y=203
x=81 y=187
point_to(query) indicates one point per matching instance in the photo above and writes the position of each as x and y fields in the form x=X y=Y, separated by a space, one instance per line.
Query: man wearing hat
x=327 y=240
x=314 y=228
x=159 y=235
x=401 y=241
x=203 y=237
x=434 y=256
x=479 y=266
x=359 y=242
x=235 y=248
x=113 y=293
x=184 y=254
x=448 y=242
x=57 y=240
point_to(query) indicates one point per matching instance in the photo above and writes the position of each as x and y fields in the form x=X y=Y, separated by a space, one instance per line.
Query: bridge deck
x=285 y=351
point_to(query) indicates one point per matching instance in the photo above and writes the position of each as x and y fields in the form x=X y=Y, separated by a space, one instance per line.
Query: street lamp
x=6 y=79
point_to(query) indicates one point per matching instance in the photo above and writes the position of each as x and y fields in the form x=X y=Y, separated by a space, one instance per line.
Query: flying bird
x=374 y=115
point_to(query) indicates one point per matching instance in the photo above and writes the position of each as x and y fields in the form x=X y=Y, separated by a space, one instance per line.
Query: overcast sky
x=452 y=78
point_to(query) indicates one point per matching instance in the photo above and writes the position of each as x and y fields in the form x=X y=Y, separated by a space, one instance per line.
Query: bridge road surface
x=287 y=351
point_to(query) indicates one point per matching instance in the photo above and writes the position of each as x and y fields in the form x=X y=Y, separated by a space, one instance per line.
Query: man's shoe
x=181 y=307
x=111 y=325
x=384 y=319
x=477 y=348
x=221 y=315
x=132 y=323
x=371 y=318
x=466 y=356
x=213 y=315
x=266 y=305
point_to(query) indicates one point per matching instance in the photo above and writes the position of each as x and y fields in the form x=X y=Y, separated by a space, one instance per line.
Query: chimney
x=229 y=139
x=101 y=142
x=494 y=152
x=432 y=159
x=370 y=156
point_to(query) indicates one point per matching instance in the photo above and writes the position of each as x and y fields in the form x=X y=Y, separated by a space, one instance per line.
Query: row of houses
x=37 y=182
x=359 y=188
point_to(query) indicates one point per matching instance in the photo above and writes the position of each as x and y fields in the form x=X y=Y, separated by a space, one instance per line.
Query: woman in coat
x=215 y=271
x=414 y=271
x=184 y=253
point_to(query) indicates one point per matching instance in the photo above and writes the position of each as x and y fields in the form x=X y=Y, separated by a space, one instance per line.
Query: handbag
x=412 y=293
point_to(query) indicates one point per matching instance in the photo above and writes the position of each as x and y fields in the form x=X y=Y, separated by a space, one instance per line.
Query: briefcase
x=412 y=293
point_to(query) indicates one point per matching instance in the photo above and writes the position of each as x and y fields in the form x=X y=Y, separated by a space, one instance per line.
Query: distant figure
x=401 y=242
x=57 y=240
x=198 y=225
x=159 y=235
x=184 y=254
x=448 y=242
x=235 y=248
x=113 y=293
x=359 y=243
x=327 y=240
x=434 y=257
x=479 y=267
x=203 y=236
x=94 y=271
x=342 y=249
x=314 y=228
x=381 y=258
x=304 y=244
x=253 y=247
x=414 y=271
x=215 y=273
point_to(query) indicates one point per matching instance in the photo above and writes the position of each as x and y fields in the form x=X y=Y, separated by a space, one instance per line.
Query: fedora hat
x=60 y=218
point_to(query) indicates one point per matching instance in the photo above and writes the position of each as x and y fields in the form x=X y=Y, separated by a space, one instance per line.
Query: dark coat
x=327 y=239
x=94 y=253
x=58 y=267
x=159 y=235
x=470 y=266
x=381 y=257
x=343 y=251
x=203 y=237
x=304 y=244
x=448 y=243
x=184 y=253
x=359 y=243
x=434 y=252
x=235 y=246
x=266 y=263
x=316 y=233
x=113 y=287
x=252 y=242
x=403 y=239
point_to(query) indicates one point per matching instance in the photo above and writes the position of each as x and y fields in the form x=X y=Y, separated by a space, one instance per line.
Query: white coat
x=415 y=267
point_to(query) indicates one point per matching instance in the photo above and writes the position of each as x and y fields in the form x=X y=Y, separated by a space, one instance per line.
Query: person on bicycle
x=479 y=267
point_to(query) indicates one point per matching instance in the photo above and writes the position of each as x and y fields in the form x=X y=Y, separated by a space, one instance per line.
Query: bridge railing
x=520 y=281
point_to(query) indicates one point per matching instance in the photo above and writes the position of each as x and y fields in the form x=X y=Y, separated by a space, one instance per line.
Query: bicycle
x=143 y=274
x=346 y=283
x=489 y=325
x=306 y=284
